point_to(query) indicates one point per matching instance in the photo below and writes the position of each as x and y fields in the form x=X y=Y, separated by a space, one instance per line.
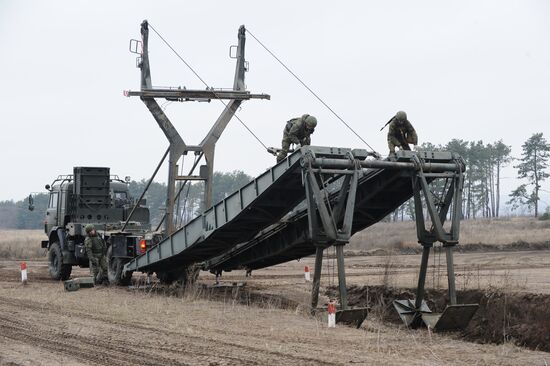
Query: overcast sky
x=472 y=70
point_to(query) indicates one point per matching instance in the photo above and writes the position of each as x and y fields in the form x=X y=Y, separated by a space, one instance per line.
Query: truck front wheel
x=115 y=270
x=58 y=270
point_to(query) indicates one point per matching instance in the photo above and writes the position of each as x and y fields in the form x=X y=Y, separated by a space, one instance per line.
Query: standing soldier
x=96 y=249
x=297 y=131
x=401 y=133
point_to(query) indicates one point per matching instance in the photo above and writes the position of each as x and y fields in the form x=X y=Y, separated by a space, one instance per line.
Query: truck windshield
x=121 y=198
x=53 y=200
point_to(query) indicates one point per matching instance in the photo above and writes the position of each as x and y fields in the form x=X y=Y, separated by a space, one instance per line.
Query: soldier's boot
x=391 y=154
x=282 y=153
x=95 y=276
x=105 y=279
x=285 y=145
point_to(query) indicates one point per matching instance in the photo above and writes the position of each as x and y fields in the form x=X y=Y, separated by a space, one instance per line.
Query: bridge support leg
x=422 y=276
x=342 y=277
x=316 y=277
x=438 y=204
x=451 y=274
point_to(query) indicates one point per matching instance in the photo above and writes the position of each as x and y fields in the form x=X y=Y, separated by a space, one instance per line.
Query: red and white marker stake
x=331 y=314
x=306 y=274
x=24 y=273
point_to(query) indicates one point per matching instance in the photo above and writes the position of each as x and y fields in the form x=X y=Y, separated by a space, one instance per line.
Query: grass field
x=500 y=231
x=21 y=244
x=25 y=244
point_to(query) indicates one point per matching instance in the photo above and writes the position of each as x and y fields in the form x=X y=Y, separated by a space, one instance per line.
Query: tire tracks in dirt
x=85 y=347
x=202 y=348
x=78 y=347
x=101 y=351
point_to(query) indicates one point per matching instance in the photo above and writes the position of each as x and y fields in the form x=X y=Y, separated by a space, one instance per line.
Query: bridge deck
x=380 y=191
x=237 y=218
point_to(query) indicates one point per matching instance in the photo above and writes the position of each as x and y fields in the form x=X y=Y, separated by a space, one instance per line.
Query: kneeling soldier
x=401 y=133
x=297 y=131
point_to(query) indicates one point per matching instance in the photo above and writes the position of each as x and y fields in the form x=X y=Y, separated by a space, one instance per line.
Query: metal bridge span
x=266 y=222
x=379 y=192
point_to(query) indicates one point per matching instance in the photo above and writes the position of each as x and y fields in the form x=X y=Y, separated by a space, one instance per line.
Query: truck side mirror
x=31 y=202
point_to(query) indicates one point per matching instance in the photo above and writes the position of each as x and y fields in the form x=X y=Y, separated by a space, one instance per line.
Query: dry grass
x=25 y=244
x=483 y=231
x=21 y=244
x=197 y=331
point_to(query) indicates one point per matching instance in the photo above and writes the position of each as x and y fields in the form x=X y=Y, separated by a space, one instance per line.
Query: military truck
x=92 y=196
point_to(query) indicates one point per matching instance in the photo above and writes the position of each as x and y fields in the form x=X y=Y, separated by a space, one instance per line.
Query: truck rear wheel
x=58 y=270
x=115 y=270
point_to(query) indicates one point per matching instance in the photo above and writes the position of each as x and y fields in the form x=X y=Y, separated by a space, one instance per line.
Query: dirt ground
x=42 y=324
x=520 y=271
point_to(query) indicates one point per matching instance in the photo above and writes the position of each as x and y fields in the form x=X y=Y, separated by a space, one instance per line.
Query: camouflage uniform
x=96 y=249
x=295 y=132
x=400 y=134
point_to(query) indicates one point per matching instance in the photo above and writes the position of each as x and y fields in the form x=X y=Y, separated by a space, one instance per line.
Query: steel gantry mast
x=178 y=147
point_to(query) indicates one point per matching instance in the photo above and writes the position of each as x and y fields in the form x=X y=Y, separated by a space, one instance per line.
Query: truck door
x=51 y=212
x=62 y=206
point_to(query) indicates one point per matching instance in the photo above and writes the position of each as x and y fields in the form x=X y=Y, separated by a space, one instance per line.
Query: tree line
x=482 y=178
x=16 y=215
x=481 y=195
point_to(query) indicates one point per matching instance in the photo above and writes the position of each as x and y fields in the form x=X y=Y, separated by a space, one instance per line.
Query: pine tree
x=532 y=166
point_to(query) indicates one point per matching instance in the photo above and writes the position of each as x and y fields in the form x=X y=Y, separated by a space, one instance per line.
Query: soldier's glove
x=94 y=261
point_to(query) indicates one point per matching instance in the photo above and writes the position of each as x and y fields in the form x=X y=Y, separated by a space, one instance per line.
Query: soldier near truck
x=297 y=131
x=91 y=195
x=401 y=133
x=96 y=250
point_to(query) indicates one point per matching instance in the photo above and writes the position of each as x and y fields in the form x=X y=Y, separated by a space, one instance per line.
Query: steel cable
x=205 y=83
x=310 y=90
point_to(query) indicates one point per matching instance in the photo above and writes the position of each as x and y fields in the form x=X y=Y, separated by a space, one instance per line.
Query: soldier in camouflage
x=297 y=131
x=401 y=133
x=96 y=250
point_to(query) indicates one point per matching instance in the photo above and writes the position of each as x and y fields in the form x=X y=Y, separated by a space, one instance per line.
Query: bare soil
x=266 y=322
x=519 y=318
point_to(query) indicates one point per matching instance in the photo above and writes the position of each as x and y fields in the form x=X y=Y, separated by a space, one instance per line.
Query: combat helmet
x=311 y=122
x=89 y=228
x=401 y=116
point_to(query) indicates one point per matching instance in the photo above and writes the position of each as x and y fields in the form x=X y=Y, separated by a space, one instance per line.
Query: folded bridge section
x=237 y=218
x=380 y=191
